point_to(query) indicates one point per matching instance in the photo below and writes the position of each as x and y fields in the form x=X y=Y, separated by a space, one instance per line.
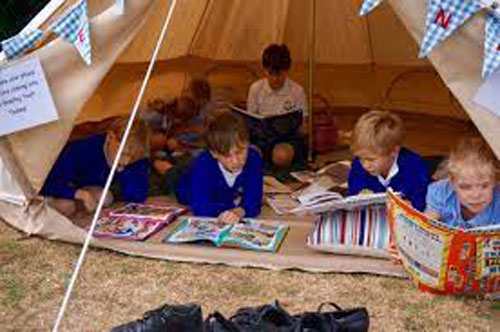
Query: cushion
x=363 y=231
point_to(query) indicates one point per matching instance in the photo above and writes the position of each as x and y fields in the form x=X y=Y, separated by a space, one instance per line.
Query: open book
x=337 y=173
x=157 y=212
x=127 y=228
x=273 y=186
x=317 y=199
x=136 y=221
x=248 y=234
x=443 y=259
x=276 y=125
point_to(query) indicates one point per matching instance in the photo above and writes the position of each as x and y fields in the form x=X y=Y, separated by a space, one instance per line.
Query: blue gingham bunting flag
x=443 y=17
x=21 y=43
x=368 y=6
x=491 y=45
x=73 y=26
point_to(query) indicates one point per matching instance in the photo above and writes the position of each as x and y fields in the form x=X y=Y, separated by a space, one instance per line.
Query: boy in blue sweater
x=83 y=166
x=224 y=181
x=381 y=161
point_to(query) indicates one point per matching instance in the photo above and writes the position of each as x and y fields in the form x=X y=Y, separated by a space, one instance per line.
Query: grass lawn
x=114 y=288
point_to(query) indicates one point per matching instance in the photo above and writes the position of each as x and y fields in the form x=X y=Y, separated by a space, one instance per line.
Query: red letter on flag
x=443 y=19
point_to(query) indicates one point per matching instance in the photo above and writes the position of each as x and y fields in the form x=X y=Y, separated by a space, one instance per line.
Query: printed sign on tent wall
x=25 y=98
x=444 y=17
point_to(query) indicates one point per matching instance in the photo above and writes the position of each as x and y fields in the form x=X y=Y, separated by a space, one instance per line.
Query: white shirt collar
x=228 y=176
x=392 y=172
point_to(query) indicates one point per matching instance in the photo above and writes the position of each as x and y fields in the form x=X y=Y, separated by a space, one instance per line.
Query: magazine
x=273 y=186
x=247 y=234
x=318 y=201
x=127 y=228
x=337 y=173
x=443 y=259
x=156 y=212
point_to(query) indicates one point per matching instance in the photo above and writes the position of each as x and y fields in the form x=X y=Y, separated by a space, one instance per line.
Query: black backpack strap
x=320 y=308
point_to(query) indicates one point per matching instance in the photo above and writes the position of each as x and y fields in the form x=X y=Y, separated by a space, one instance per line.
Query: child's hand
x=232 y=216
x=162 y=166
x=87 y=198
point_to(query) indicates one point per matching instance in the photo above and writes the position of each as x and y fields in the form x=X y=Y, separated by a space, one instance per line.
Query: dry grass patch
x=114 y=288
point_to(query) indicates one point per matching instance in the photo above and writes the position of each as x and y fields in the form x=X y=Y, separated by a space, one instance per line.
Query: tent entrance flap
x=10 y=190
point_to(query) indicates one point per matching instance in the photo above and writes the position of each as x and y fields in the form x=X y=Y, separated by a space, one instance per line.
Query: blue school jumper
x=82 y=163
x=204 y=189
x=411 y=180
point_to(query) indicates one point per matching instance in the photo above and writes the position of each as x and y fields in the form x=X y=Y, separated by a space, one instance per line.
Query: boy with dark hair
x=225 y=181
x=83 y=166
x=277 y=94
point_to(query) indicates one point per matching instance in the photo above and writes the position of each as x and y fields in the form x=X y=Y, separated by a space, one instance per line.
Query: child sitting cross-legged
x=382 y=162
x=470 y=197
x=224 y=181
x=83 y=166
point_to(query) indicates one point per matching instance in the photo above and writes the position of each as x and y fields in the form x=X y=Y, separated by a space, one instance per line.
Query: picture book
x=276 y=125
x=443 y=259
x=273 y=186
x=157 y=212
x=337 y=173
x=127 y=228
x=317 y=198
x=247 y=234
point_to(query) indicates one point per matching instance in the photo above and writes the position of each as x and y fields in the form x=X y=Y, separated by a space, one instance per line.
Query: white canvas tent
x=360 y=62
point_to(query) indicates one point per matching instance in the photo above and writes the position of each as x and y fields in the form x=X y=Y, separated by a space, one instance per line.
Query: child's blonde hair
x=473 y=151
x=136 y=142
x=378 y=131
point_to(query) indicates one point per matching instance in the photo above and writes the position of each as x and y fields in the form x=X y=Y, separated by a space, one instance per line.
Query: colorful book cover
x=127 y=228
x=443 y=259
x=248 y=234
x=157 y=212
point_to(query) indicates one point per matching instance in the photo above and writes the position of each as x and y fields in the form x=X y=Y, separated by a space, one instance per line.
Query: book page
x=273 y=186
x=199 y=229
x=126 y=228
x=148 y=211
x=348 y=203
x=281 y=203
x=256 y=235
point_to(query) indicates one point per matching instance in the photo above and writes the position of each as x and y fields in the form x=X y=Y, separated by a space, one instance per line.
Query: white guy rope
x=113 y=169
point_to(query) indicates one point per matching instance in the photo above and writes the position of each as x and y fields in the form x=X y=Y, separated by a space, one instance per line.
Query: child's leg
x=66 y=207
x=97 y=192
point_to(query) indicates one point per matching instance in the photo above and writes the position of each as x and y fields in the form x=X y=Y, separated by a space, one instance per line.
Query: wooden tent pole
x=312 y=53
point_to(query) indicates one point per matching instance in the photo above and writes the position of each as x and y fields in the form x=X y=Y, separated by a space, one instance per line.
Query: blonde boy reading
x=382 y=162
x=470 y=197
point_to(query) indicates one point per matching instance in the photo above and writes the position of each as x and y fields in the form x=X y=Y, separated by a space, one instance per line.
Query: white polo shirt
x=262 y=99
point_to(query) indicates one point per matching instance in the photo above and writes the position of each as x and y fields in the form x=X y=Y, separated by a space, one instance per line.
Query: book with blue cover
x=248 y=234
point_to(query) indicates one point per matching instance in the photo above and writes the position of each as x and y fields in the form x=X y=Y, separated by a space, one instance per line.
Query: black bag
x=265 y=318
x=350 y=320
x=167 y=318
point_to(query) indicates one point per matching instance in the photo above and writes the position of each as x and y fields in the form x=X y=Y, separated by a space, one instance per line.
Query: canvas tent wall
x=357 y=65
